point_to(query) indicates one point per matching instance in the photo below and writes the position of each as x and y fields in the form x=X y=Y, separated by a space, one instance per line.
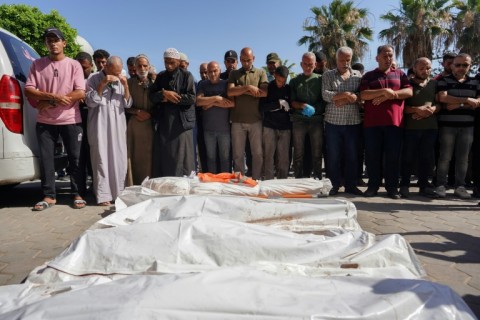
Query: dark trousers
x=418 y=147
x=47 y=136
x=342 y=154
x=84 y=163
x=383 y=141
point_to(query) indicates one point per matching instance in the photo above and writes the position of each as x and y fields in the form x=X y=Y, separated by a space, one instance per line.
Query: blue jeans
x=217 y=145
x=458 y=140
x=315 y=131
x=47 y=136
x=420 y=145
x=379 y=142
x=342 y=154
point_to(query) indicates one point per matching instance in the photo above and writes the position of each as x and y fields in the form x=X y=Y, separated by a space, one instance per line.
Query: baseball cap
x=282 y=71
x=53 y=32
x=272 y=57
x=231 y=54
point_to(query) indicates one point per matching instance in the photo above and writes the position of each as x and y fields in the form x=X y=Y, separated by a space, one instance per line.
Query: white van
x=18 y=142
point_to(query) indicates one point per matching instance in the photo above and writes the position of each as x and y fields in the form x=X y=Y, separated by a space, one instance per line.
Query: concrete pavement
x=445 y=234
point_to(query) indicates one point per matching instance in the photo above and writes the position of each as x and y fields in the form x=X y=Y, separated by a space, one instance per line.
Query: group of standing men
x=246 y=111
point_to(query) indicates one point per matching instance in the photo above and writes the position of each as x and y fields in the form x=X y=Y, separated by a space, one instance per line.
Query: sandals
x=79 y=204
x=43 y=205
x=105 y=204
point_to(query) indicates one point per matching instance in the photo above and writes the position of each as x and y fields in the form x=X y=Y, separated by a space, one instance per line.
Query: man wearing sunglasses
x=459 y=94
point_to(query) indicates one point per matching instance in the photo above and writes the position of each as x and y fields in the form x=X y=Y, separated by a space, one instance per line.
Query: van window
x=20 y=54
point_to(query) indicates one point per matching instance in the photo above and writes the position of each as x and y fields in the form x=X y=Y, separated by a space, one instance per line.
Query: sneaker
x=428 y=192
x=441 y=191
x=404 y=192
x=462 y=193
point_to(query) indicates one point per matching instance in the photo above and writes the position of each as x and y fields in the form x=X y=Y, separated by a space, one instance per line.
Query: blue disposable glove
x=308 y=111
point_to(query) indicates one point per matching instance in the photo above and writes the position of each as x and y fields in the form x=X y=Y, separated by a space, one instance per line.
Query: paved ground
x=445 y=233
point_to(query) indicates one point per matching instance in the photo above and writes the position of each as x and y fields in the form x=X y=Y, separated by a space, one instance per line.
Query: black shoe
x=428 y=192
x=333 y=191
x=370 y=193
x=361 y=183
x=393 y=195
x=476 y=193
x=355 y=191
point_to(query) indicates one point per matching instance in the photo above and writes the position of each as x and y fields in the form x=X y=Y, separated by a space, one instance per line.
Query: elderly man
x=342 y=122
x=212 y=97
x=460 y=95
x=247 y=85
x=420 y=130
x=307 y=118
x=384 y=91
x=54 y=86
x=140 y=129
x=173 y=98
x=107 y=98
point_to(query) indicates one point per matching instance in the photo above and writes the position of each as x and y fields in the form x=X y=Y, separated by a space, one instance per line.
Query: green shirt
x=421 y=96
x=308 y=90
x=246 y=108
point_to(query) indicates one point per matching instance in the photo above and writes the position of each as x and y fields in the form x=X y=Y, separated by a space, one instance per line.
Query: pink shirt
x=59 y=77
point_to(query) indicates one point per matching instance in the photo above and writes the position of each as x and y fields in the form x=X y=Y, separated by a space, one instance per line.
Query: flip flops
x=105 y=204
x=79 y=204
x=43 y=205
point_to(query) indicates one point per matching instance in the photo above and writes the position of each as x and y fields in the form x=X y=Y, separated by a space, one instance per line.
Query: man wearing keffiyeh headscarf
x=173 y=98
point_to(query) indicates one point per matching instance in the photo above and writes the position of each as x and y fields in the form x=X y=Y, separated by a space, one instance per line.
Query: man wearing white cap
x=184 y=62
x=173 y=98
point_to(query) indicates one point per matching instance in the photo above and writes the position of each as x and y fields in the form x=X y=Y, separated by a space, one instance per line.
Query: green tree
x=28 y=23
x=419 y=28
x=336 y=25
x=467 y=27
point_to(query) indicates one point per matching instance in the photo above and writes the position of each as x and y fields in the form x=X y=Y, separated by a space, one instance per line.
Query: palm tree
x=467 y=26
x=420 y=28
x=336 y=25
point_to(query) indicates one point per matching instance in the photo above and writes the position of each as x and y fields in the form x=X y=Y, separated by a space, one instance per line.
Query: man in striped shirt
x=459 y=94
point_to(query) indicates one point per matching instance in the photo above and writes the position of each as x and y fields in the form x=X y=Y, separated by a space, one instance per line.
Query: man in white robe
x=107 y=97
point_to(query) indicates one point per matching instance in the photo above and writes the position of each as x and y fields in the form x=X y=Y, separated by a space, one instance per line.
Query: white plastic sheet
x=315 y=216
x=212 y=257
x=246 y=293
x=205 y=243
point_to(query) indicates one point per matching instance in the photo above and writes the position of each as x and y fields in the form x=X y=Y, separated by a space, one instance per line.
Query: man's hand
x=43 y=104
x=171 y=96
x=142 y=115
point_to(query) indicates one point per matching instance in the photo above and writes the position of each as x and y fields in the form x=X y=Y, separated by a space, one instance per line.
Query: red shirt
x=390 y=112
